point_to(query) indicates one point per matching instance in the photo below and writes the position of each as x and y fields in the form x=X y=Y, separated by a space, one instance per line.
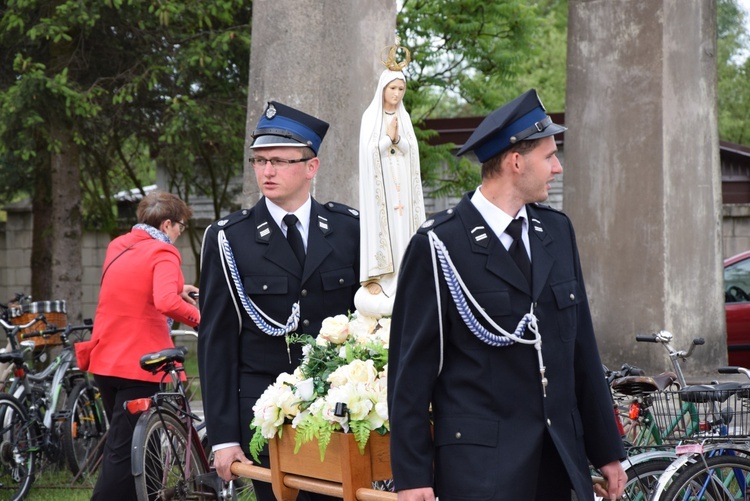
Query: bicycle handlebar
x=10 y=327
x=734 y=370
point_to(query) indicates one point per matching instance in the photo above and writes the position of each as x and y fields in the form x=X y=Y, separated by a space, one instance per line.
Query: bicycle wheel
x=84 y=427
x=642 y=479
x=719 y=478
x=18 y=449
x=159 y=466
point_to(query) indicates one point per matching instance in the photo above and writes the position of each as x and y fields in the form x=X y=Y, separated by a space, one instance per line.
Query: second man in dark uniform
x=279 y=267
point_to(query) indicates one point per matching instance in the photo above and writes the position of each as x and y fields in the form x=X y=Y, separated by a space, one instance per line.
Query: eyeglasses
x=276 y=162
x=183 y=226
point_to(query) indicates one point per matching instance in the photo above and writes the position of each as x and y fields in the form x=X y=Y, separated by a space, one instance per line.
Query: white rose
x=385 y=325
x=358 y=371
x=362 y=371
x=355 y=398
x=335 y=329
x=361 y=326
x=379 y=416
x=269 y=416
x=305 y=389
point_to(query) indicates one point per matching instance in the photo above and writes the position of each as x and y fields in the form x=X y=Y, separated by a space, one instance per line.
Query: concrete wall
x=645 y=190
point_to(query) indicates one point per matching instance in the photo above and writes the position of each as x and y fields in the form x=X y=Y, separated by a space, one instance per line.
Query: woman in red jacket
x=142 y=292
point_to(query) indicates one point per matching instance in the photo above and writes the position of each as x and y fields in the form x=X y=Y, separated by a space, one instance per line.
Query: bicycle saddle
x=637 y=385
x=152 y=362
x=14 y=357
x=701 y=393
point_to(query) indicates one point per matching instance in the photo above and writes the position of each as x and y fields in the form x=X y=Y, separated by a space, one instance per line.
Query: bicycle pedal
x=62 y=415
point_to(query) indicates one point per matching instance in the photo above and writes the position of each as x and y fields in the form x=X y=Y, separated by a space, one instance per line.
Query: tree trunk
x=65 y=178
x=67 y=226
x=41 y=246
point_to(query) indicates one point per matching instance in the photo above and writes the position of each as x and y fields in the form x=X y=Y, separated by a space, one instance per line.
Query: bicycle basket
x=702 y=412
x=53 y=311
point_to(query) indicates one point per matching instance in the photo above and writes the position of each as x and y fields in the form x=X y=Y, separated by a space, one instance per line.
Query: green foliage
x=257 y=443
x=317 y=428
x=141 y=84
x=469 y=57
x=361 y=431
x=733 y=73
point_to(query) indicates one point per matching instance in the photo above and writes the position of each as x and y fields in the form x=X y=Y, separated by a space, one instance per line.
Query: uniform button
x=572 y=297
x=306 y=323
x=341 y=281
x=303 y=293
x=265 y=287
x=458 y=434
x=549 y=423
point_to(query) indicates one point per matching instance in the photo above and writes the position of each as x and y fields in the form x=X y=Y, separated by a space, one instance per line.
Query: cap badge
x=270 y=112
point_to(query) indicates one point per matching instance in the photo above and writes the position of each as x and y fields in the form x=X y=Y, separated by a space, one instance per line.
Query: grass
x=55 y=485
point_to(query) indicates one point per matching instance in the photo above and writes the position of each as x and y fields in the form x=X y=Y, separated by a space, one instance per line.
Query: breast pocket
x=337 y=279
x=265 y=284
x=567 y=298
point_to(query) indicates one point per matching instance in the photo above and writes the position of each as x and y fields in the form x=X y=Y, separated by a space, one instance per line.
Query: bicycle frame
x=176 y=404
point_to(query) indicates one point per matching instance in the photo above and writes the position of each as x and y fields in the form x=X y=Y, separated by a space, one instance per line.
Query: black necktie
x=517 y=250
x=294 y=238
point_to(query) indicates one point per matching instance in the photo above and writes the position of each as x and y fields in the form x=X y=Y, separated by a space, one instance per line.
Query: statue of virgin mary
x=390 y=191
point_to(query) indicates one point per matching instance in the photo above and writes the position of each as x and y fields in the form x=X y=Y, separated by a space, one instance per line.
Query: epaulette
x=231 y=219
x=436 y=220
x=341 y=209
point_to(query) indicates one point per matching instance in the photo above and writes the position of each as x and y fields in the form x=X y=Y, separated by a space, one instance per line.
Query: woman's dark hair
x=158 y=206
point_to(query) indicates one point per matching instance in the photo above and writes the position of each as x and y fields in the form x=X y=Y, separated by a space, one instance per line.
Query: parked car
x=737 y=307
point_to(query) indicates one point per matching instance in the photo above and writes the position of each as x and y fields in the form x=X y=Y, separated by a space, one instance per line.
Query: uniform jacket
x=141 y=287
x=488 y=407
x=237 y=360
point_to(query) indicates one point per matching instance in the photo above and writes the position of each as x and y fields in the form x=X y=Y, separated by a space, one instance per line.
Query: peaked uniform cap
x=282 y=125
x=522 y=119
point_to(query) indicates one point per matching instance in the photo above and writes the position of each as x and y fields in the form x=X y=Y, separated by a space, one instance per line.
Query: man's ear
x=515 y=160
x=312 y=167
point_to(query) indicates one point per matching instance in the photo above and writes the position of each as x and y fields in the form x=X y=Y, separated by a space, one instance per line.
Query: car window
x=737 y=282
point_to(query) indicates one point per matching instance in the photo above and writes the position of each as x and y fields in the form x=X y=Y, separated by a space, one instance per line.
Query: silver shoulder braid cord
x=459 y=293
x=257 y=315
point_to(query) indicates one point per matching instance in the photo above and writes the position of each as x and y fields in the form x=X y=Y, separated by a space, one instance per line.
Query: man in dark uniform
x=278 y=268
x=499 y=358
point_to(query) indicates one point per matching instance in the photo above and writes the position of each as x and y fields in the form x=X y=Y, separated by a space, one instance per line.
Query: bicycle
x=61 y=401
x=717 y=467
x=647 y=433
x=647 y=425
x=168 y=459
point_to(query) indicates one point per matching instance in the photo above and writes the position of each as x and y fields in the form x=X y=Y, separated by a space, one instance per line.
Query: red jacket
x=140 y=286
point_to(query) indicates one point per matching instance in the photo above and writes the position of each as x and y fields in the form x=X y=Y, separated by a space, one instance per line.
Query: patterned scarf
x=155 y=234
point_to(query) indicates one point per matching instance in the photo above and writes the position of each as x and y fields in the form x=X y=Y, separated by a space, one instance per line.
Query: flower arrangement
x=340 y=385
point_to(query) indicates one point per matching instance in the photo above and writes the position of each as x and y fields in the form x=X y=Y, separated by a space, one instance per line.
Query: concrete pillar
x=323 y=57
x=642 y=178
